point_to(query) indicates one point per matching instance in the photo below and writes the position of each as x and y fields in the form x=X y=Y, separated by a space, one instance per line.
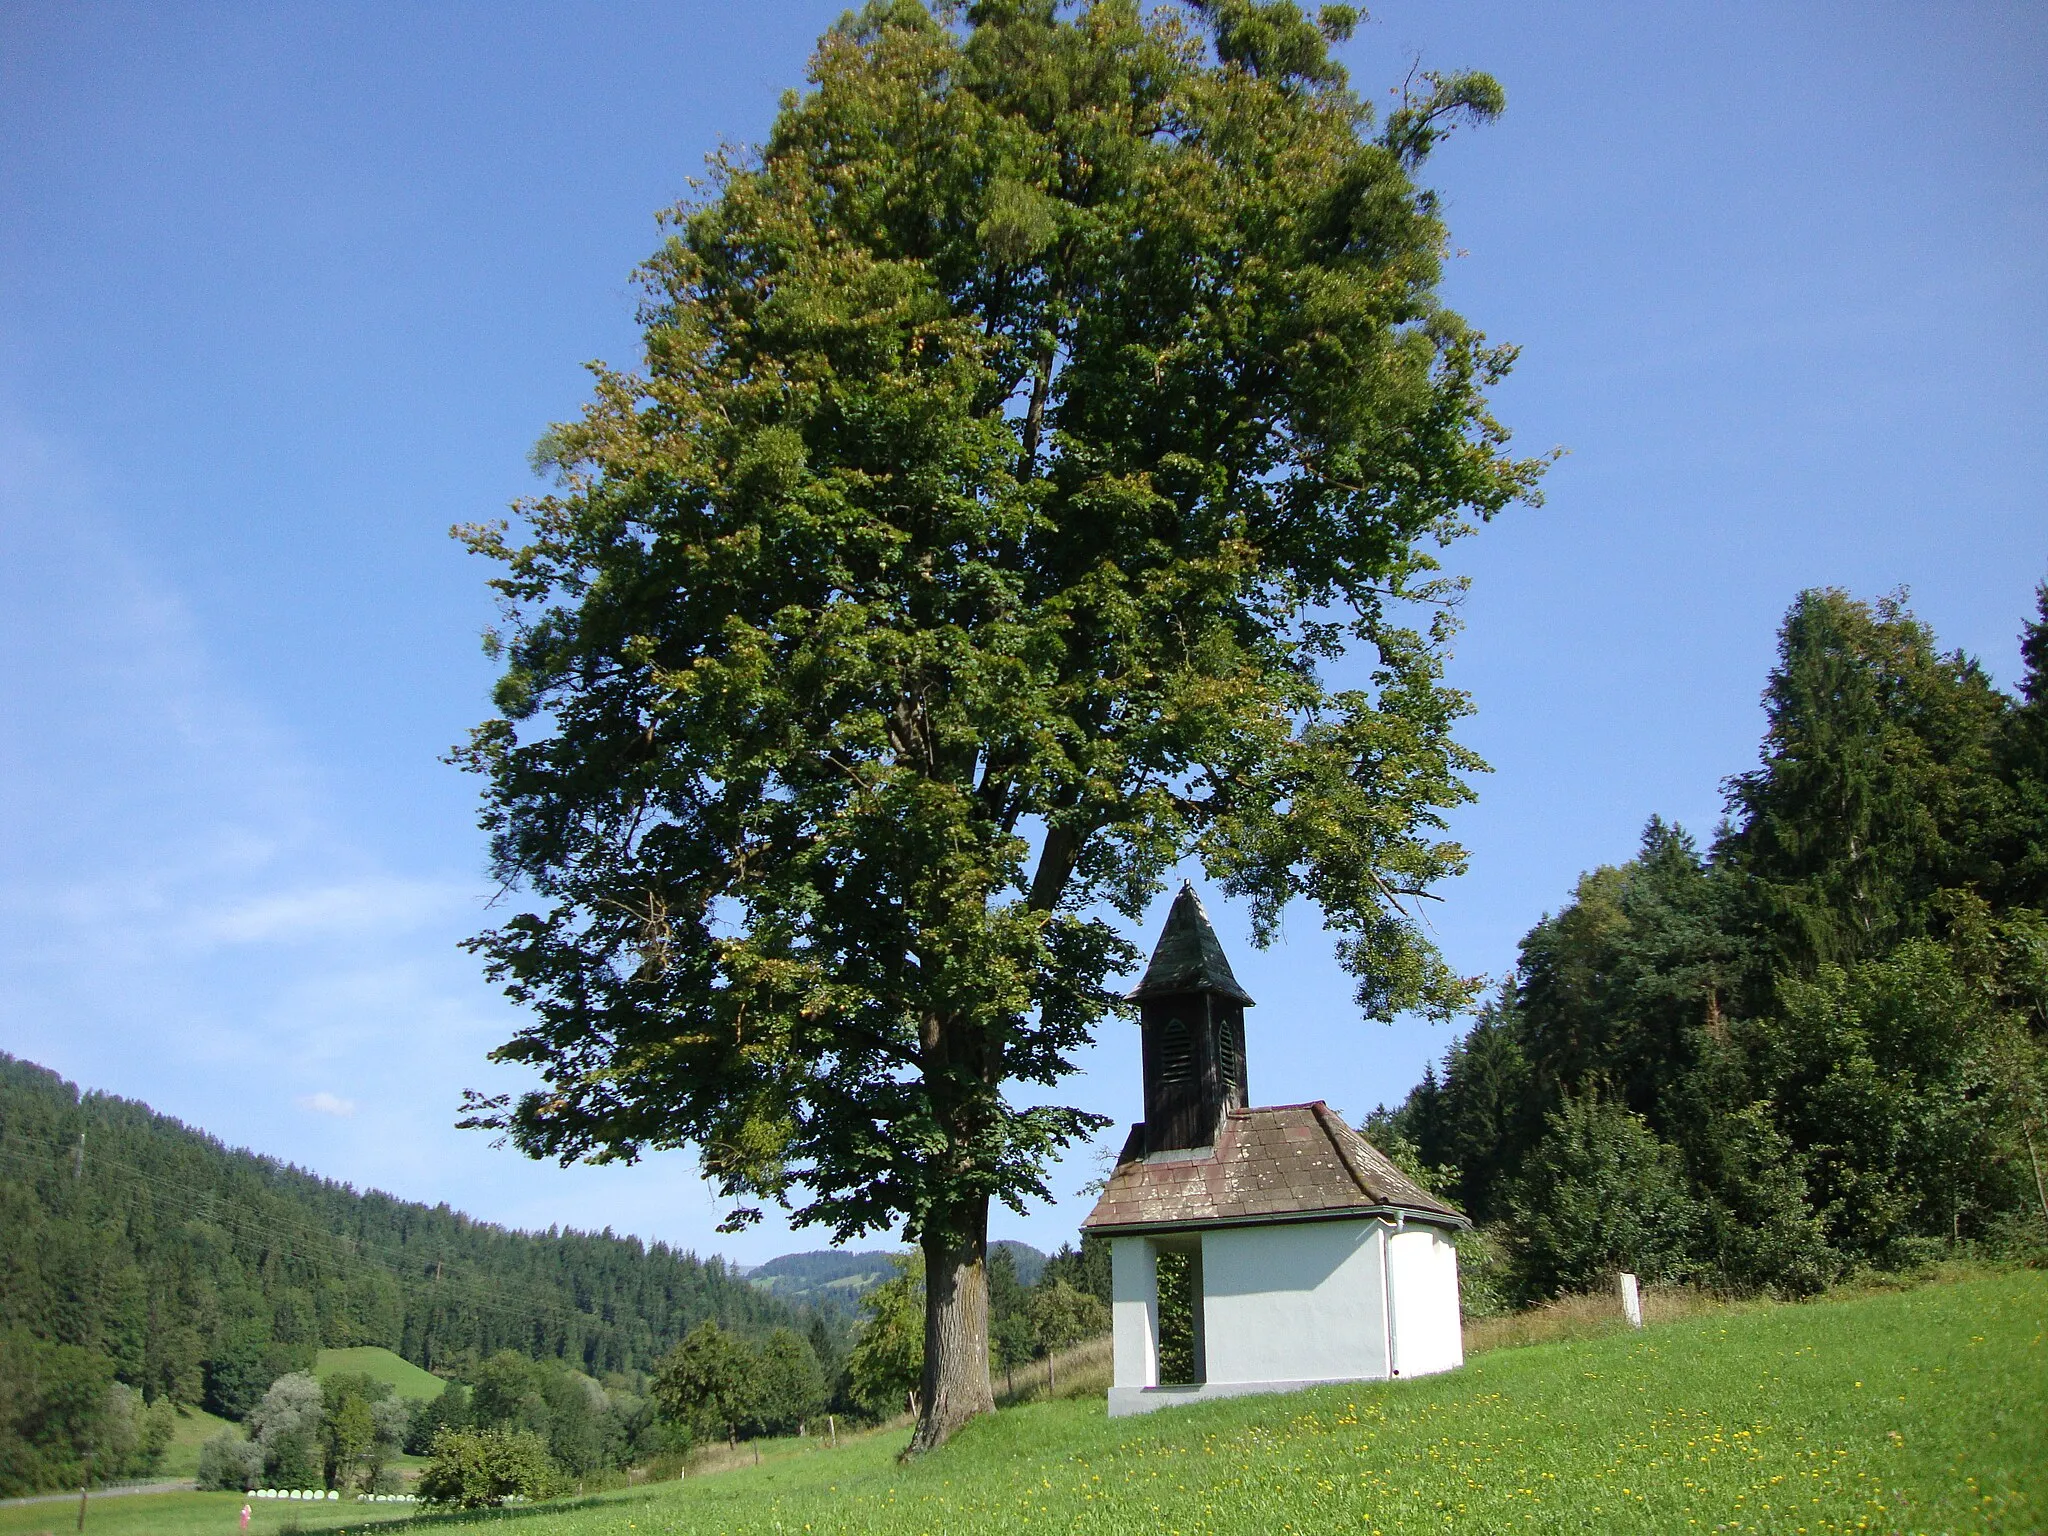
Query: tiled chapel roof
x=1292 y=1162
x=1189 y=957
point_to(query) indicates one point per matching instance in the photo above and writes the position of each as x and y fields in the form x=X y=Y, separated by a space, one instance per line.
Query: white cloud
x=374 y=904
x=189 y=917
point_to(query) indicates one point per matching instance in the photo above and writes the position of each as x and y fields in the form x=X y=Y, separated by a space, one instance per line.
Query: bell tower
x=1191 y=1010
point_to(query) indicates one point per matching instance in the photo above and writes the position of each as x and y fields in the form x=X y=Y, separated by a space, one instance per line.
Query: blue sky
x=285 y=291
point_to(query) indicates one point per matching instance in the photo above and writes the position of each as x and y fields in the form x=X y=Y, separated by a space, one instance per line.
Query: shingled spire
x=1192 y=1012
x=1189 y=957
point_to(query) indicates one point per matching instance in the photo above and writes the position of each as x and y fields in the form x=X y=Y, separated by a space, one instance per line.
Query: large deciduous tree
x=1024 y=433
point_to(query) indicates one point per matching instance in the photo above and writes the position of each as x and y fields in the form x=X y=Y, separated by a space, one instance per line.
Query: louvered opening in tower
x=1176 y=1053
x=1230 y=1053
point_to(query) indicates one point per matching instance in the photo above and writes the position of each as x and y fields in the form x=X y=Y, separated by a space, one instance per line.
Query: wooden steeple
x=1191 y=1010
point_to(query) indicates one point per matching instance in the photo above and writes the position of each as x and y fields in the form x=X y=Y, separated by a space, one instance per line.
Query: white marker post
x=1631 y=1300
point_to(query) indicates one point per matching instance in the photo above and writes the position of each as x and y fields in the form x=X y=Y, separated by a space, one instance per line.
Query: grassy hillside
x=831 y=1277
x=379 y=1365
x=195 y=1427
x=1926 y=1409
x=1916 y=1410
x=826 y=1278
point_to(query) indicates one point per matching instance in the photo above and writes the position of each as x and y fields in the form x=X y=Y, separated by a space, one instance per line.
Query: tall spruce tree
x=1876 y=791
x=2023 y=762
x=1023 y=432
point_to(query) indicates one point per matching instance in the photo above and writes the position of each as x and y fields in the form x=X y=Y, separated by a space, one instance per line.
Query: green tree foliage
x=351 y=1431
x=789 y=1383
x=448 y=1411
x=482 y=1468
x=585 y=1427
x=203 y=1274
x=830 y=1346
x=230 y=1461
x=509 y=1391
x=2023 y=765
x=1601 y=1193
x=288 y=1424
x=363 y=1425
x=1061 y=1316
x=885 y=1370
x=52 y=1399
x=1877 y=785
x=1009 y=1321
x=1085 y=1267
x=1176 y=1281
x=1883 y=1075
x=1024 y=434
x=584 y=1435
x=1821 y=1045
x=707 y=1382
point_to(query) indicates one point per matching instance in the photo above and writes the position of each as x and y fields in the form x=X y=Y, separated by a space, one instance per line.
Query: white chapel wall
x=1428 y=1335
x=1293 y=1303
x=1134 y=1312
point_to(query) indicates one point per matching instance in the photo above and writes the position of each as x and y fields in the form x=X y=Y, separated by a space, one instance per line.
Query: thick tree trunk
x=956 y=1379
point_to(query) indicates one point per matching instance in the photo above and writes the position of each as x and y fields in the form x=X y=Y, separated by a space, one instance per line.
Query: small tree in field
x=708 y=1381
x=1009 y=1331
x=789 y=1387
x=886 y=1367
x=482 y=1468
x=1062 y=1317
x=1025 y=433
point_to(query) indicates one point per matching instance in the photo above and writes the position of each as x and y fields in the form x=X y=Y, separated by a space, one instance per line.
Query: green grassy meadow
x=195 y=1427
x=1919 y=1410
x=380 y=1365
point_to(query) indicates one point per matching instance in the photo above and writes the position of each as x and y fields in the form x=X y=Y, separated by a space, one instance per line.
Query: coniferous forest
x=137 y=1252
x=200 y=1271
x=1811 y=1043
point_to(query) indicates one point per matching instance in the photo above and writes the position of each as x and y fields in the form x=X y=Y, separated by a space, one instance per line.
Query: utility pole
x=85 y=1481
x=2040 y=1188
x=78 y=1160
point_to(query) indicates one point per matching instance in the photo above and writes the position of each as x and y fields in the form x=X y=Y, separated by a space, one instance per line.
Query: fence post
x=1631 y=1300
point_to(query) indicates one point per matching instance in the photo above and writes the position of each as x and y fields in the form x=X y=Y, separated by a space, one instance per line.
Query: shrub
x=1483 y=1277
x=1600 y=1194
x=1176 y=1291
x=1062 y=1316
x=227 y=1461
x=482 y=1468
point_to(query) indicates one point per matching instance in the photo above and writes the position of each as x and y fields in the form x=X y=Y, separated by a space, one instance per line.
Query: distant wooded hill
x=834 y=1280
x=202 y=1272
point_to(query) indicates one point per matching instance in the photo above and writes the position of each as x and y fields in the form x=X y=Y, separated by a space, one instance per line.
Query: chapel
x=1307 y=1256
